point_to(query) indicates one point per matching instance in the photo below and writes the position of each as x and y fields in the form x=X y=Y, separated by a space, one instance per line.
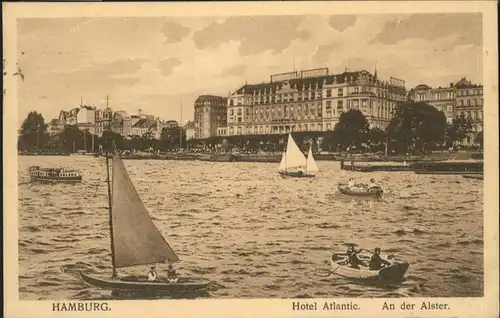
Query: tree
x=171 y=137
x=479 y=139
x=70 y=139
x=458 y=130
x=33 y=133
x=330 y=141
x=377 y=139
x=352 y=129
x=107 y=139
x=416 y=127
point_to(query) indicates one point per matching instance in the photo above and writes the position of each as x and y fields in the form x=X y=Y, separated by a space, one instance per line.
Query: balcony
x=362 y=94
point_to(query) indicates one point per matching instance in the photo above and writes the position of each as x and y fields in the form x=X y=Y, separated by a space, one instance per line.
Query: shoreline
x=449 y=164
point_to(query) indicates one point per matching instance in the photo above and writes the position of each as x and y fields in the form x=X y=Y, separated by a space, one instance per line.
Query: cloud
x=324 y=52
x=255 y=34
x=342 y=22
x=235 y=70
x=467 y=27
x=151 y=63
x=167 y=66
x=174 y=32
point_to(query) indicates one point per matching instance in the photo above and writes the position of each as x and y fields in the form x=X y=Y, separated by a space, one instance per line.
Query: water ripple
x=253 y=233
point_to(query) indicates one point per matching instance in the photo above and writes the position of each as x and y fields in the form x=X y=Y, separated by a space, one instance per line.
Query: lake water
x=253 y=233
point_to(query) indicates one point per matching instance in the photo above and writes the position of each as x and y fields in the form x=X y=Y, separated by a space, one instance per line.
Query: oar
x=97 y=186
x=330 y=272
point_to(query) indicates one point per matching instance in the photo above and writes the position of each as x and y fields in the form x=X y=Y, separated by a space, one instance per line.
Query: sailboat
x=135 y=240
x=294 y=163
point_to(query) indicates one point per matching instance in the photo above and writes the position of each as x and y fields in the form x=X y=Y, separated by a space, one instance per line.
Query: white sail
x=311 y=164
x=294 y=158
x=136 y=239
x=282 y=166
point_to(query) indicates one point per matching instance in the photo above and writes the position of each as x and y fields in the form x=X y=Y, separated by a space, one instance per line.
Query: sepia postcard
x=253 y=159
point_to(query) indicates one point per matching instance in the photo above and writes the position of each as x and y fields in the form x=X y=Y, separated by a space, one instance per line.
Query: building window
x=340 y=92
x=340 y=105
x=328 y=93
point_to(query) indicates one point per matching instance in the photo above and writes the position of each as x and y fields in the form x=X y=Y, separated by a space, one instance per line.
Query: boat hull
x=361 y=194
x=56 y=179
x=296 y=174
x=216 y=157
x=469 y=176
x=141 y=284
x=393 y=273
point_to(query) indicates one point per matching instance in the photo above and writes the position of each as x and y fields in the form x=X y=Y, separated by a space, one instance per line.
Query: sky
x=161 y=64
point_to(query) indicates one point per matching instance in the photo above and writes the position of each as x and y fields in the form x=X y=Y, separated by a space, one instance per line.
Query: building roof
x=202 y=98
x=189 y=125
x=74 y=111
x=465 y=83
x=145 y=123
x=87 y=107
x=317 y=81
x=422 y=86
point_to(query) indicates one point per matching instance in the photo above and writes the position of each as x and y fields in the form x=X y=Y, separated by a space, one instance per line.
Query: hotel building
x=310 y=100
x=462 y=97
x=209 y=113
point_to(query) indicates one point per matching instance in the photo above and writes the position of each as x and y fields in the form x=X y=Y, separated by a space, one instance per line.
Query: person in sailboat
x=300 y=172
x=152 y=275
x=372 y=186
x=377 y=262
x=172 y=274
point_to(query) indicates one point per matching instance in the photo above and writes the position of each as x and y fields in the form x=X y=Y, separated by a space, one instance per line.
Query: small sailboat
x=135 y=240
x=294 y=163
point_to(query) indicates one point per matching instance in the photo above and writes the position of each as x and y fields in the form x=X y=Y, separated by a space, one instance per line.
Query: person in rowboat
x=152 y=275
x=351 y=185
x=377 y=262
x=372 y=186
x=354 y=259
x=172 y=274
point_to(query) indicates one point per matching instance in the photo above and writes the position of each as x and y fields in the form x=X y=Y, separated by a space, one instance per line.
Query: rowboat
x=392 y=273
x=54 y=175
x=294 y=164
x=135 y=240
x=375 y=194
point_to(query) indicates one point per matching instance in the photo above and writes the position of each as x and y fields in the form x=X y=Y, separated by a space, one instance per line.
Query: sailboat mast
x=180 y=146
x=110 y=208
x=286 y=149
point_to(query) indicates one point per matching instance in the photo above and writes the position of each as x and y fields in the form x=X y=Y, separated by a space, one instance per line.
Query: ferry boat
x=54 y=175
